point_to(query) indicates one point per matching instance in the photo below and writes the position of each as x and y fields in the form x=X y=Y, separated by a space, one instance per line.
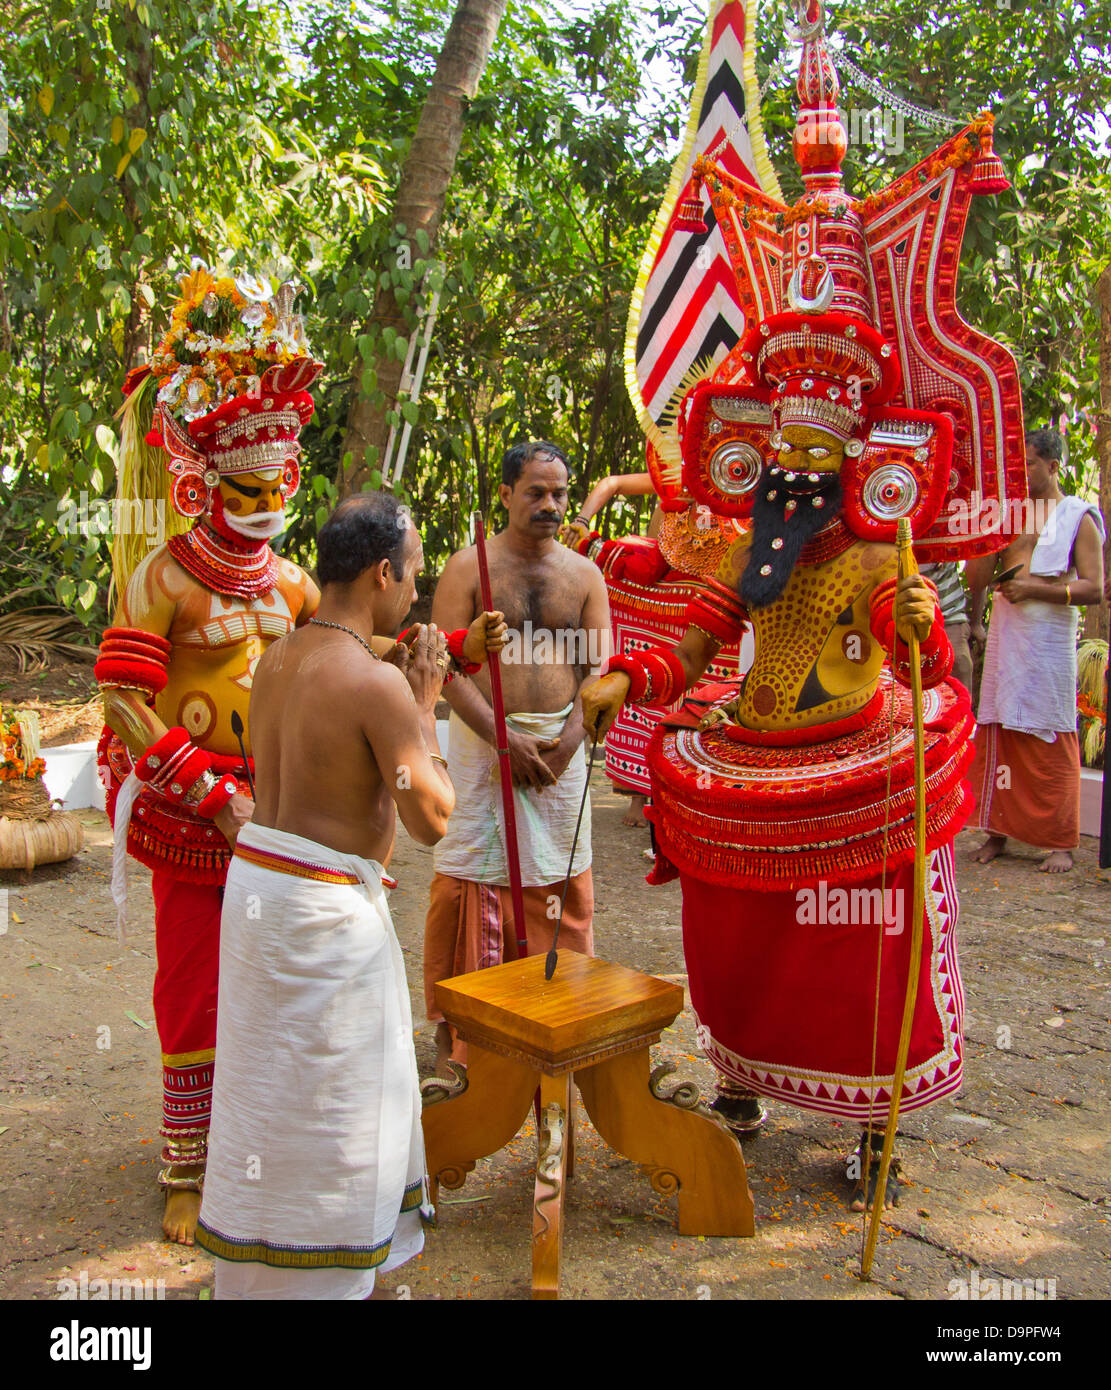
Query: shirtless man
x=557 y=611
x=1027 y=770
x=316 y=1163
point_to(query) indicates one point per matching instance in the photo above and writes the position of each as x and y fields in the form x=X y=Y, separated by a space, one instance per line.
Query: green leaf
x=134 y=1017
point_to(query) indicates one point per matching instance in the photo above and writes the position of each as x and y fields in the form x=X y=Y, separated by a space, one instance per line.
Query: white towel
x=316 y=1143
x=474 y=846
x=1053 y=553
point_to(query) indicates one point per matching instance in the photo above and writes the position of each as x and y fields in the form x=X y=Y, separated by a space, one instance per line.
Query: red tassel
x=987 y=172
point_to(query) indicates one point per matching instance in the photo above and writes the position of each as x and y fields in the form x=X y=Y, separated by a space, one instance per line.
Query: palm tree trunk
x=420 y=206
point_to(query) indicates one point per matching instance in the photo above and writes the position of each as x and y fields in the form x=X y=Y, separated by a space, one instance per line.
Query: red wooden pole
x=501 y=735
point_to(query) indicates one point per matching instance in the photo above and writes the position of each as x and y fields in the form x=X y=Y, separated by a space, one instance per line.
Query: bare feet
x=1059 y=862
x=179 y=1220
x=634 y=816
x=991 y=847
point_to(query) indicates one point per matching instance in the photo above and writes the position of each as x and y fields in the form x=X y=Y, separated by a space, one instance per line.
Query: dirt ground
x=1010 y=1178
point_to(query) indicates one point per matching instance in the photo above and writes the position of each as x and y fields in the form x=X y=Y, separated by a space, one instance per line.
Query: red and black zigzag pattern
x=690 y=312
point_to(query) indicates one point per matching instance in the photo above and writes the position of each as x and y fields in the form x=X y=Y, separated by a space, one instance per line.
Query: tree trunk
x=1103 y=430
x=139 y=71
x=420 y=205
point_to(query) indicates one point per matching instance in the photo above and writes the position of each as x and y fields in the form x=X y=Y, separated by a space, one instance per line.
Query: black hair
x=1049 y=444
x=361 y=532
x=513 y=464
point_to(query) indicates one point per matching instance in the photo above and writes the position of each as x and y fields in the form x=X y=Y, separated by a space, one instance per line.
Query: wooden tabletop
x=590 y=1006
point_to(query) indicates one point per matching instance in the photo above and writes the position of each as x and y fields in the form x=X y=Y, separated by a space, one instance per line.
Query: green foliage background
x=143 y=135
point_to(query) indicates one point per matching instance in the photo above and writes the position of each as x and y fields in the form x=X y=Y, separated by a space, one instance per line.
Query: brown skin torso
x=549 y=592
x=342 y=739
x=559 y=595
x=317 y=777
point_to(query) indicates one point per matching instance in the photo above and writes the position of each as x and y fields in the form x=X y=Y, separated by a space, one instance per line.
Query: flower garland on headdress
x=224 y=333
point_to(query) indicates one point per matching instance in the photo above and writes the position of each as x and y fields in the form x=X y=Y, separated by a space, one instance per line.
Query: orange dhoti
x=1027 y=788
x=470 y=926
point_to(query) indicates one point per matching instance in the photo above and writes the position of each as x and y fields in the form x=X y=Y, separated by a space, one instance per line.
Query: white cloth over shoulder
x=474 y=846
x=315 y=1174
x=1052 y=555
x=1029 y=681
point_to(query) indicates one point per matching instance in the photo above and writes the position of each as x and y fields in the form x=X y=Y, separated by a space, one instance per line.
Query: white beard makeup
x=263 y=526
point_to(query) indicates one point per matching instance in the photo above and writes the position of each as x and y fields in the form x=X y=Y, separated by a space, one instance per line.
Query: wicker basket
x=31 y=831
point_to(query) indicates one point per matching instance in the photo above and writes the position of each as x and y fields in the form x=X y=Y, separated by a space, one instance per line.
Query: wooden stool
x=594 y=1021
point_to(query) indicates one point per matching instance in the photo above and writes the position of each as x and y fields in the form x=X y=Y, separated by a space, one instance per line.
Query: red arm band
x=455 y=651
x=636 y=559
x=134 y=659
x=718 y=611
x=656 y=676
x=174 y=765
x=936 y=652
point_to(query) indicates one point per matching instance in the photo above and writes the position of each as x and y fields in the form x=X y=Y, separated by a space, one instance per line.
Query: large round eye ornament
x=190 y=495
x=291 y=477
x=890 y=492
x=735 y=468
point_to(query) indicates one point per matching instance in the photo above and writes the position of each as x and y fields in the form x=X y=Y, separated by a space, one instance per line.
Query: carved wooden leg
x=551 y=1182
x=481 y=1121
x=681 y=1149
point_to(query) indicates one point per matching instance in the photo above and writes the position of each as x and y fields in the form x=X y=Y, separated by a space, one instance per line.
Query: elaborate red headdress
x=852 y=326
x=234 y=369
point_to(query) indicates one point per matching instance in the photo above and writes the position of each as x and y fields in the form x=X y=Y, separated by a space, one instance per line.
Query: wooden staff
x=501 y=735
x=907 y=565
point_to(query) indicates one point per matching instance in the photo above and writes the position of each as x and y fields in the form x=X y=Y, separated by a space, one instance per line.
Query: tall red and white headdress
x=851 y=324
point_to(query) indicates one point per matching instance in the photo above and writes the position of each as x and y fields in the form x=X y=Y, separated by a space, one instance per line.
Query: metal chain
x=937 y=119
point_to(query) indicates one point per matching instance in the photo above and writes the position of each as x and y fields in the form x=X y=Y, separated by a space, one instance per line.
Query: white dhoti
x=315 y=1175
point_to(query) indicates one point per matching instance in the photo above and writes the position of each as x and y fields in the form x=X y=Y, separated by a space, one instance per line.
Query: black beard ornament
x=788 y=509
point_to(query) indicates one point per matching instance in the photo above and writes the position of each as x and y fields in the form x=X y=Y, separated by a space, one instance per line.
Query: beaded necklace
x=323 y=622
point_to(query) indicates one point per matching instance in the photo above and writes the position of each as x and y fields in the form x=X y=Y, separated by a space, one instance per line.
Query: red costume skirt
x=795 y=852
x=787 y=1008
x=188 y=858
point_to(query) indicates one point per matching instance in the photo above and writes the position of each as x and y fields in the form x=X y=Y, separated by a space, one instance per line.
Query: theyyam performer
x=213 y=424
x=857 y=396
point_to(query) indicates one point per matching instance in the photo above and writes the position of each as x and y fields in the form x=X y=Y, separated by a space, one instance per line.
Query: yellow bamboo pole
x=907 y=565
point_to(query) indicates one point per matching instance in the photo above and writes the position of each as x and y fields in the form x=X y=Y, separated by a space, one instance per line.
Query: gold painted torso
x=217 y=641
x=815 y=659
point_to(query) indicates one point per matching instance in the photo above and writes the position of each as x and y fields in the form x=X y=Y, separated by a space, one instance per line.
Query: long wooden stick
x=501 y=735
x=907 y=565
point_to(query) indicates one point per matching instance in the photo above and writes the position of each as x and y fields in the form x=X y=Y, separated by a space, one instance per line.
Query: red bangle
x=155 y=759
x=632 y=667
x=455 y=651
x=217 y=798
x=172 y=765
x=669 y=679
x=157 y=645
